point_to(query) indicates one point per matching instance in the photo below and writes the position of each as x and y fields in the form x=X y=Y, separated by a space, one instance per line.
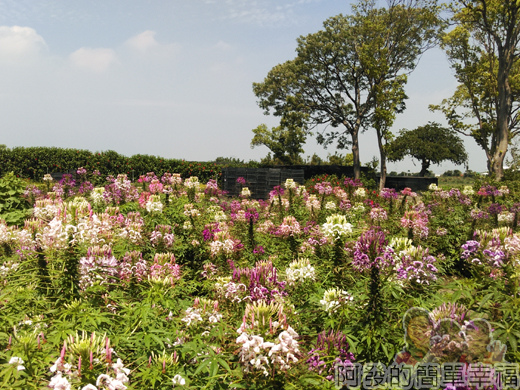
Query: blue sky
x=169 y=77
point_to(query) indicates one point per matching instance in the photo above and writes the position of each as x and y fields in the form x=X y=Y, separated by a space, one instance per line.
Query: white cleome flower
x=18 y=362
x=178 y=380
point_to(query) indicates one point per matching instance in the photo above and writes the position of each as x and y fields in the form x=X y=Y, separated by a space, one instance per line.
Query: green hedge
x=35 y=162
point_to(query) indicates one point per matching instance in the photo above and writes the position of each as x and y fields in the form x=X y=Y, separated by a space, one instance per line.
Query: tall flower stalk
x=372 y=254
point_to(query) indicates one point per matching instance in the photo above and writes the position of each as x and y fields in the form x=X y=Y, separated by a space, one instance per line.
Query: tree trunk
x=424 y=167
x=382 y=154
x=503 y=112
x=355 y=154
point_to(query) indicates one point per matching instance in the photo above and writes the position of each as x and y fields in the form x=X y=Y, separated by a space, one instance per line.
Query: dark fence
x=260 y=181
x=413 y=182
x=310 y=171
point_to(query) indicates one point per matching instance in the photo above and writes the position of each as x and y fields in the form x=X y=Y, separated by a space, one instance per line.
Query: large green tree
x=430 y=144
x=286 y=143
x=483 y=50
x=350 y=76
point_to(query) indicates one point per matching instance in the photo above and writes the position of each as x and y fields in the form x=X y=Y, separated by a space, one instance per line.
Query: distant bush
x=455 y=172
x=34 y=162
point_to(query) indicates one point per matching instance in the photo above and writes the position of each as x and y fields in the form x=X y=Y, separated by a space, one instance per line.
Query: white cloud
x=145 y=45
x=18 y=43
x=143 y=42
x=221 y=45
x=95 y=60
x=262 y=12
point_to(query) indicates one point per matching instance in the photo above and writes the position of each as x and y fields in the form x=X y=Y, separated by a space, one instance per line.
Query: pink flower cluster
x=417 y=265
x=372 y=250
x=289 y=227
x=417 y=222
x=258 y=355
x=162 y=236
x=164 y=269
x=261 y=281
x=98 y=267
x=120 y=190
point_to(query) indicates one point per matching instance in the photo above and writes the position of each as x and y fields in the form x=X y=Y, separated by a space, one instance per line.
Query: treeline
x=34 y=162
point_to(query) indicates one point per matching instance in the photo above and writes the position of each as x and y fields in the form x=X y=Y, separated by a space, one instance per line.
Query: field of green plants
x=167 y=282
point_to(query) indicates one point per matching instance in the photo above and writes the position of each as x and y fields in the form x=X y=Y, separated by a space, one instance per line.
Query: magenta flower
x=349 y=182
x=329 y=345
x=372 y=250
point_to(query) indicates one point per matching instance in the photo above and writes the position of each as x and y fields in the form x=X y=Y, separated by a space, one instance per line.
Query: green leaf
x=202 y=366
x=513 y=342
x=224 y=364
x=486 y=298
x=456 y=295
x=213 y=369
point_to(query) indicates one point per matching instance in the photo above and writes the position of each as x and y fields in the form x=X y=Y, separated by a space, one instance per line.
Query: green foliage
x=147 y=321
x=229 y=162
x=430 y=144
x=286 y=143
x=336 y=159
x=350 y=73
x=483 y=52
x=13 y=207
x=35 y=162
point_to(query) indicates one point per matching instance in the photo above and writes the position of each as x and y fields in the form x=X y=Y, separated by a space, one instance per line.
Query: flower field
x=166 y=282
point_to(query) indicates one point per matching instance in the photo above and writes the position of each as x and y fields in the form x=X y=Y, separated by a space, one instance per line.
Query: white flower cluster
x=358 y=208
x=132 y=232
x=221 y=243
x=235 y=292
x=190 y=210
x=217 y=213
x=256 y=354
x=154 y=205
x=77 y=208
x=378 y=214
x=178 y=380
x=276 y=202
x=194 y=315
x=246 y=193
x=399 y=244
x=192 y=182
x=220 y=216
x=290 y=184
x=299 y=271
x=225 y=246
x=334 y=298
x=97 y=269
x=65 y=371
x=54 y=236
x=433 y=187
x=18 y=362
x=360 y=192
x=7 y=234
x=191 y=315
x=117 y=382
x=503 y=190
x=47 y=209
x=506 y=217
x=330 y=205
x=7 y=267
x=313 y=203
x=97 y=196
x=468 y=190
x=336 y=227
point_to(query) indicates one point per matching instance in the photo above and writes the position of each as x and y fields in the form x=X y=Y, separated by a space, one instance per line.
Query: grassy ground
x=448 y=182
